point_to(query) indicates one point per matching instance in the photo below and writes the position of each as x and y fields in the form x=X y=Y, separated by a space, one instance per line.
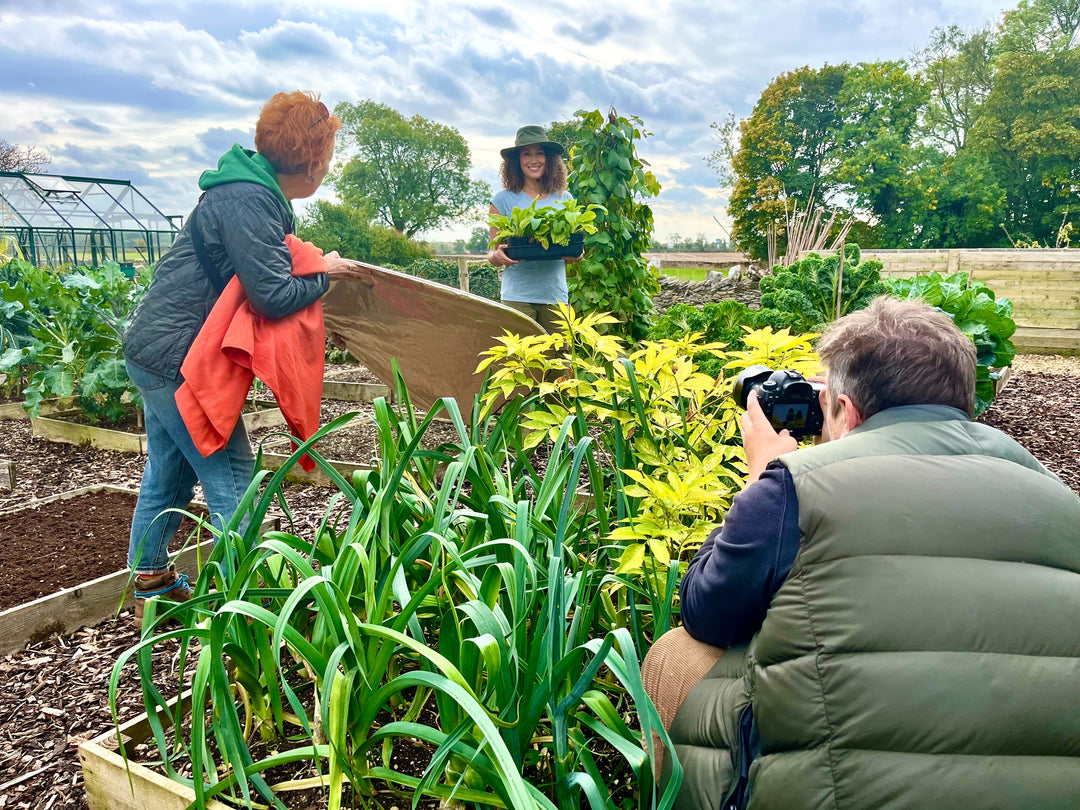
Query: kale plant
x=807 y=290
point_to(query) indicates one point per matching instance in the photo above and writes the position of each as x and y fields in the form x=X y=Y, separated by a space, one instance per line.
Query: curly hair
x=295 y=131
x=553 y=179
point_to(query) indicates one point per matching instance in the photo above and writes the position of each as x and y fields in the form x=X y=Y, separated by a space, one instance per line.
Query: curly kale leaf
x=807 y=289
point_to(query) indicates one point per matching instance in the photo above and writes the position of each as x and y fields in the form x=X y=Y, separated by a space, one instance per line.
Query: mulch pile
x=53 y=693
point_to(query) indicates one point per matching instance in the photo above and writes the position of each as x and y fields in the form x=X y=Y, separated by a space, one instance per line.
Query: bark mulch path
x=1038 y=409
x=53 y=694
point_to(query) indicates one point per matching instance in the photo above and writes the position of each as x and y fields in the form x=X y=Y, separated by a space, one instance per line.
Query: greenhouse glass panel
x=140 y=208
x=60 y=219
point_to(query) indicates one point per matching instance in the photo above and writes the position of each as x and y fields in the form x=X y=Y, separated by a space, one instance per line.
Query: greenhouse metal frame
x=62 y=219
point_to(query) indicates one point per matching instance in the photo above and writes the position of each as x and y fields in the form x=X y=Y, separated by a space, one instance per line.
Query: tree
x=787 y=147
x=879 y=104
x=566 y=133
x=17 y=158
x=413 y=172
x=954 y=200
x=1029 y=127
x=348 y=230
x=478 y=240
x=958 y=71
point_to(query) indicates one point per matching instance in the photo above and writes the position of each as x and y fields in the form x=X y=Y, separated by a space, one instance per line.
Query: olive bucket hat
x=529 y=135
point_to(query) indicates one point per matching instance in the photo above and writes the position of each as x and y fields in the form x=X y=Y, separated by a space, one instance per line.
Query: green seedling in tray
x=547 y=225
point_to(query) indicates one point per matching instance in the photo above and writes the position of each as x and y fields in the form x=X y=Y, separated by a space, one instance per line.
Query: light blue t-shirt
x=534 y=282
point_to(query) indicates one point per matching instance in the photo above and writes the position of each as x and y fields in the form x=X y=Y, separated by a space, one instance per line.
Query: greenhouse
x=58 y=219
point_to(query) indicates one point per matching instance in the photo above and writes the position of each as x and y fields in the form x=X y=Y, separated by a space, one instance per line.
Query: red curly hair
x=295 y=131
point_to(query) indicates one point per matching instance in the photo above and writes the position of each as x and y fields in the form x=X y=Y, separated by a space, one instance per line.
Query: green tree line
x=974 y=142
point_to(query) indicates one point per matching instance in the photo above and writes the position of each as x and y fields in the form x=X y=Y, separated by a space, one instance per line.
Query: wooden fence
x=666 y=259
x=1043 y=285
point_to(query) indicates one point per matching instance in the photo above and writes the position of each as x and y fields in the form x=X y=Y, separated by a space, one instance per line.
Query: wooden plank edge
x=354 y=391
x=63 y=432
x=269 y=417
x=15 y=410
x=113 y=784
x=273 y=460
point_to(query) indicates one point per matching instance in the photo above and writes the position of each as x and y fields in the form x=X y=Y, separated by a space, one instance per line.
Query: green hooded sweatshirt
x=240 y=165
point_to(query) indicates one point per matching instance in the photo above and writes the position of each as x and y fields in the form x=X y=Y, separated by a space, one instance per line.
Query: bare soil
x=53 y=693
x=63 y=543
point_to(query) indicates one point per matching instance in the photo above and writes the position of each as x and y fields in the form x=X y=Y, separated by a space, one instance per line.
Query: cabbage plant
x=979 y=314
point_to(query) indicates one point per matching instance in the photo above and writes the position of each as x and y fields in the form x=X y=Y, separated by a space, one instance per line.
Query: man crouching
x=899 y=604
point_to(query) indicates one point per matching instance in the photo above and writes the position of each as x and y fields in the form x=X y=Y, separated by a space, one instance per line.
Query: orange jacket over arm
x=235 y=345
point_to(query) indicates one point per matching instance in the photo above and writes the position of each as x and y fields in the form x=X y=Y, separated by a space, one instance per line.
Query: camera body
x=789 y=401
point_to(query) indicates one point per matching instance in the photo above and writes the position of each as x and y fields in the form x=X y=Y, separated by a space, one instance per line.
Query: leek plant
x=459 y=599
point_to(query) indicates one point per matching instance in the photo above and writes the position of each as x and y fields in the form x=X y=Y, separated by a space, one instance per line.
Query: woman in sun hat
x=238 y=229
x=532 y=170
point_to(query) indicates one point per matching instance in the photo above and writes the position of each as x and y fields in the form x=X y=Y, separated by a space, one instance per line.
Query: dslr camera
x=789 y=401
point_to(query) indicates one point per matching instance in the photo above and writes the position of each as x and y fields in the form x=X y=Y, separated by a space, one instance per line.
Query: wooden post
x=463 y=273
x=7 y=474
x=839 y=278
x=954 y=262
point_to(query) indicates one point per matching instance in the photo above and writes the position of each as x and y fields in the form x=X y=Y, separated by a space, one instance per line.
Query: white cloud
x=162 y=86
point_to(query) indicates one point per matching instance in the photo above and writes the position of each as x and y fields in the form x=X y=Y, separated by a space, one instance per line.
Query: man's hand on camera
x=761 y=443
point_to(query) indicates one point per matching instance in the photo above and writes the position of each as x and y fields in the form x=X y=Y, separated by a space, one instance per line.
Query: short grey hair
x=899 y=353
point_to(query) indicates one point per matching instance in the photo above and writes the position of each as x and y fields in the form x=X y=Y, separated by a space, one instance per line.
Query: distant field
x=685 y=273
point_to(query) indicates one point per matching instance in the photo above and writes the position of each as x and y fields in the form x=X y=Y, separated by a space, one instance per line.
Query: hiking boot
x=170 y=585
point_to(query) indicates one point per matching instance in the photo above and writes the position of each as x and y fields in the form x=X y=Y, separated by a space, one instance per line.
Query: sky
x=154 y=92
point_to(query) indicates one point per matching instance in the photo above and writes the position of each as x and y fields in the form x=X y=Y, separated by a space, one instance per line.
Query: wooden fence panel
x=1043 y=285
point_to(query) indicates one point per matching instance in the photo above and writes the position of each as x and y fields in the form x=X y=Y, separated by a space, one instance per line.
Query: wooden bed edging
x=112 y=784
x=89 y=602
x=275 y=454
x=66 y=432
x=354 y=391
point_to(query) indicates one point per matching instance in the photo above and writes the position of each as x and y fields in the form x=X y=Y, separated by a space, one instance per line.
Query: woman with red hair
x=237 y=229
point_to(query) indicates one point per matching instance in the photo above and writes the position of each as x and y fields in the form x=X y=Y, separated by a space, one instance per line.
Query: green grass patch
x=685 y=273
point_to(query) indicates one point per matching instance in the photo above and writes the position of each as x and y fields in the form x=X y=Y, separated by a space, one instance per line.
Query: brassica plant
x=983 y=317
x=811 y=291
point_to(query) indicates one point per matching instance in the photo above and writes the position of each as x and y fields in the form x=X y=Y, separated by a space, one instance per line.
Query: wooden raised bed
x=275 y=454
x=15 y=410
x=354 y=391
x=67 y=432
x=112 y=784
x=1043 y=285
x=90 y=602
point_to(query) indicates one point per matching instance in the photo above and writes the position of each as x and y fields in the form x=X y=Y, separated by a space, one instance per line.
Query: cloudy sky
x=154 y=92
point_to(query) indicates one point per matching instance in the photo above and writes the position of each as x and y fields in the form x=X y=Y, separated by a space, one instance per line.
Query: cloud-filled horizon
x=154 y=93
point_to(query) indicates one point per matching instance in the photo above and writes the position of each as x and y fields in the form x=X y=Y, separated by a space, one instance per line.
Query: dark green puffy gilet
x=924 y=650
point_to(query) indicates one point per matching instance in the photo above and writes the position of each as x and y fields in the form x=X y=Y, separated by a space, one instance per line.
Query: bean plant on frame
x=450 y=600
x=604 y=169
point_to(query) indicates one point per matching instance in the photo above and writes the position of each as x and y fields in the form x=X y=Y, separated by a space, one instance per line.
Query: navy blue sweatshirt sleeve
x=736 y=572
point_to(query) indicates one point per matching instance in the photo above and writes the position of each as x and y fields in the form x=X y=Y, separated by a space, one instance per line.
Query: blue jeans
x=173 y=465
